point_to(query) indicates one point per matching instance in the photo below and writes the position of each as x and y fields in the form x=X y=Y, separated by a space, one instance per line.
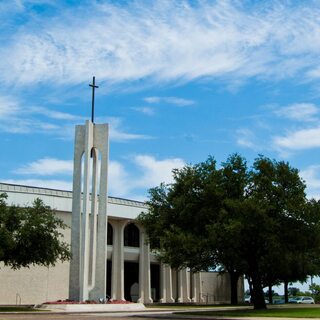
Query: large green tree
x=179 y=213
x=31 y=235
x=294 y=222
x=245 y=220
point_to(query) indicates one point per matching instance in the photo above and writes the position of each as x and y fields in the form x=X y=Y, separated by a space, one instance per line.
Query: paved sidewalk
x=122 y=316
x=148 y=314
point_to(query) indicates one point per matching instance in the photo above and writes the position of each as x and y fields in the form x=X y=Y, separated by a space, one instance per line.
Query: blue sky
x=178 y=81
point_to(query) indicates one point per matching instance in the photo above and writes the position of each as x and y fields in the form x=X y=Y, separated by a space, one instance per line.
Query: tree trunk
x=257 y=292
x=270 y=294
x=286 y=291
x=234 y=277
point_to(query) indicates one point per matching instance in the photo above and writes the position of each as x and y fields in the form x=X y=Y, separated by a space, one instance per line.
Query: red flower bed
x=70 y=302
x=88 y=302
x=119 y=302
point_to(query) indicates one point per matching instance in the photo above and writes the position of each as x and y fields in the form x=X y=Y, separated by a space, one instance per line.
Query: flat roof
x=62 y=200
x=15 y=188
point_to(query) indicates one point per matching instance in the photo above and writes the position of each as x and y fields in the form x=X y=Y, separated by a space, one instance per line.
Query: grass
x=17 y=309
x=192 y=306
x=296 y=312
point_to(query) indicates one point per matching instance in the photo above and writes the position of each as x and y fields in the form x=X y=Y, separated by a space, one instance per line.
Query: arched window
x=131 y=236
x=110 y=235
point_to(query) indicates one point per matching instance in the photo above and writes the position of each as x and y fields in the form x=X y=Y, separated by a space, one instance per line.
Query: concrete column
x=147 y=294
x=180 y=286
x=101 y=140
x=166 y=284
x=194 y=288
x=114 y=259
x=144 y=271
x=183 y=286
x=76 y=221
x=199 y=286
x=163 y=291
x=117 y=275
x=93 y=220
x=169 y=284
x=85 y=235
x=142 y=268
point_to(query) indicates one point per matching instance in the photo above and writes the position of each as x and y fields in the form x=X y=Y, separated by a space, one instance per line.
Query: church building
x=133 y=272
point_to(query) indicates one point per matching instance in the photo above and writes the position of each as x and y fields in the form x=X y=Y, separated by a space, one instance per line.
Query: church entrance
x=131 y=281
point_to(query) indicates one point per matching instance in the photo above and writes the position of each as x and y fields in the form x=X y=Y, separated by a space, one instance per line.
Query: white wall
x=36 y=284
x=216 y=288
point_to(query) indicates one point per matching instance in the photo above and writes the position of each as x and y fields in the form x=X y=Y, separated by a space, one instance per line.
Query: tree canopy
x=31 y=235
x=252 y=221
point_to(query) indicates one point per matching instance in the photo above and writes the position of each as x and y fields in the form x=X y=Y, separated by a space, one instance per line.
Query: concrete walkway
x=149 y=313
x=123 y=316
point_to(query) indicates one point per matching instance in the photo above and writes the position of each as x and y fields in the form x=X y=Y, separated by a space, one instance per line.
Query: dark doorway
x=131 y=277
x=155 y=281
x=109 y=272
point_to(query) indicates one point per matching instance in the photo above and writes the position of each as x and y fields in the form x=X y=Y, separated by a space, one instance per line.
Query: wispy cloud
x=164 y=41
x=299 y=112
x=311 y=175
x=149 y=172
x=299 y=140
x=295 y=131
x=117 y=133
x=120 y=183
x=170 y=100
x=8 y=107
x=61 y=124
x=145 y=110
x=26 y=118
x=156 y=171
x=46 y=167
x=54 y=114
x=246 y=138
x=27 y=126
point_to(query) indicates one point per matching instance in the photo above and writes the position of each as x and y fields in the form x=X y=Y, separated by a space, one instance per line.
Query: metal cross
x=93 y=85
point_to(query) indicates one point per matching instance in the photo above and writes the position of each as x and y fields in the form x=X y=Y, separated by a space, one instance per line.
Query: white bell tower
x=87 y=279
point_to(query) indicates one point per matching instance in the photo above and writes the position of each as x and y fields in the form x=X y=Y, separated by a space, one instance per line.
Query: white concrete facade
x=133 y=272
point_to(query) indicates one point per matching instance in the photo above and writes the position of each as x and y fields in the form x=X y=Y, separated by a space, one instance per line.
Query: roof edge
x=10 y=187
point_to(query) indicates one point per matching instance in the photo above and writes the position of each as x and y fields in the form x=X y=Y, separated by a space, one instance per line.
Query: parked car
x=304 y=300
x=247 y=299
x=278 y=301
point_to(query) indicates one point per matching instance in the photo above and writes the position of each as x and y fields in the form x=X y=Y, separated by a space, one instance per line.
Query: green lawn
x=190 y=306
x=17 y=309
x=299 y=312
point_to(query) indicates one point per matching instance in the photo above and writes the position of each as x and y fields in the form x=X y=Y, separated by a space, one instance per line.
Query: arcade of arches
x=134 y=274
